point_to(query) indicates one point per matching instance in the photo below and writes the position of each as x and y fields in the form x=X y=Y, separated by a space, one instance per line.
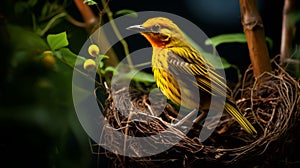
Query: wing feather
x=191 y=62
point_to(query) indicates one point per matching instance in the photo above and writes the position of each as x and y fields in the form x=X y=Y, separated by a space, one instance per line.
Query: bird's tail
x=235 y=113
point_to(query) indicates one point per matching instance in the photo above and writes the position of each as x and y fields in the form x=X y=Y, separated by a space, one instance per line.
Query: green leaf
x=144 y=77
x=54 y=21
x=20 y=7
x=90 y=2
x=32 y=2
x=127 y=12
x=68 y=57
x=217 y=62
x=111 y=69
x=269 y=41
x=45 y=10
x=140 y=76
x=102 y=57
x=294 y=18
x=226 y=38
x=231 y=38
x=25 y=40
x=57 y=41
x=25 y=44
x=101 y=64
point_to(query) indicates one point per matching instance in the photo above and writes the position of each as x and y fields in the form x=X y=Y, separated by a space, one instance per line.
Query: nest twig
x=272 y=106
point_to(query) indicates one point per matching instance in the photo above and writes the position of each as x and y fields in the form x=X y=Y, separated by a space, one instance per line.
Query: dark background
x=215 y=18
x=38 y=124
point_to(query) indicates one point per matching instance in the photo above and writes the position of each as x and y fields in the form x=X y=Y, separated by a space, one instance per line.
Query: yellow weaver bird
x=174 y=54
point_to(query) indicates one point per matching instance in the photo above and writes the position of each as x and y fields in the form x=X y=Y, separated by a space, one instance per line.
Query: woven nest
x=271 y=105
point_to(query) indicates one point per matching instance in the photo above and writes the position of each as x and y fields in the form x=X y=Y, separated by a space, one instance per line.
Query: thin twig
x=117 y=32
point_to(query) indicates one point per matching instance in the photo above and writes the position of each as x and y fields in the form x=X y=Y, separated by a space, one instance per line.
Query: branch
x=91 y=22
x=254 y=30
x=117 y=32
x=76 y=22
x=288 y=30
x=87 y=14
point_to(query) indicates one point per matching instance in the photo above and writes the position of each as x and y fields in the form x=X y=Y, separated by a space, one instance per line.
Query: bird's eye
x=156 y=28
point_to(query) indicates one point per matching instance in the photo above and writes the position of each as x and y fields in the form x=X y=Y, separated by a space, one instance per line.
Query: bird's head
x=160 y=32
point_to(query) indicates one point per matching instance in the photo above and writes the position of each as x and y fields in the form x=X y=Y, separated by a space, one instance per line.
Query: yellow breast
x=170 y=84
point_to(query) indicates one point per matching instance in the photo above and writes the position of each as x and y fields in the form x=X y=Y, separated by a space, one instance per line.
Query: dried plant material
x=272 y=106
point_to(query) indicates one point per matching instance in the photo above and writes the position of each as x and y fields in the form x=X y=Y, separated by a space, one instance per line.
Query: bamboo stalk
x=288 y=31
x=254 y=31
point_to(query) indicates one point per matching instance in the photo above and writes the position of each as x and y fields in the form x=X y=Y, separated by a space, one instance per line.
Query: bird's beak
x=138 y=28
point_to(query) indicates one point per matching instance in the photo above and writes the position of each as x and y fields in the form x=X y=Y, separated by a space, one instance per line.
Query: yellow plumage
x=177 y=65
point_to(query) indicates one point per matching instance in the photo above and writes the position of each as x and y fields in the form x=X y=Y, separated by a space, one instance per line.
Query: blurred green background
x=38 y=123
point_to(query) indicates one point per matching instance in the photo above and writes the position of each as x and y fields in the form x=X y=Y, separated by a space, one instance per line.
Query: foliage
x=36 y=92
x=50 y=15
x=36 y=100
x=90 y=2
x=58 y=44
x=126 y=12
x=57 y=41
x=232 y=38
x=223 y=39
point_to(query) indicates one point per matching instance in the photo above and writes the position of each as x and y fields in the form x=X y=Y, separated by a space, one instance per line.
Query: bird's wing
x=191 y=62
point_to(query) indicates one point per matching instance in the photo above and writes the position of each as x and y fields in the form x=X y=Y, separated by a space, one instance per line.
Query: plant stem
x=142 y=64
x=117 y=32
x=33 y=22
x=50 y=23
x=87 y=14
x=91 y=22
x=288 y=30
x=254 y=30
